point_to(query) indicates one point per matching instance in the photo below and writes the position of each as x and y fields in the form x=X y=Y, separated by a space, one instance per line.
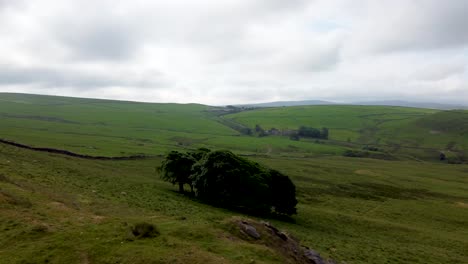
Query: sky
x=236 y=51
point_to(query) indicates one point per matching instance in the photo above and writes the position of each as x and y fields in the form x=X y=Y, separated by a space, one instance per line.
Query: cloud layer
x=236 y=51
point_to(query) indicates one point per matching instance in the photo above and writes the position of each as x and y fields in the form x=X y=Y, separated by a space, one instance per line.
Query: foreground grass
x=59 y=209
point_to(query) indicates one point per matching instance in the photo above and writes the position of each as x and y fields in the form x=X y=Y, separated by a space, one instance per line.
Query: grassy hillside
x=102 y=126
x=116 y=128
x=59 y=209
x=344 y=122
x=400 y=130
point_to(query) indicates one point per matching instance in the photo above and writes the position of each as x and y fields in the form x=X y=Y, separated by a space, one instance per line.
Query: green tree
x=284 y=193
x=226 y=179
x=176 y=169
x=324 y=133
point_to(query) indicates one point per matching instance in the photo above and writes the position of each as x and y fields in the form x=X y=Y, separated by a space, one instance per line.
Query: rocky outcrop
x=280 y=241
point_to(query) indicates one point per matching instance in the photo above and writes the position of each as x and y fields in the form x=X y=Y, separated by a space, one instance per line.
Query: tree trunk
x=181 y=187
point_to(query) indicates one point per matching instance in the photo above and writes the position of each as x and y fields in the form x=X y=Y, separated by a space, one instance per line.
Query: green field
x=421 y=133
x=60 y=209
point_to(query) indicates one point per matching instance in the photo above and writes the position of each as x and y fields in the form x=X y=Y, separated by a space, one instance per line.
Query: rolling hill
x=428 y=105
x=57 y=208
x=117 y=128
x=419 y=132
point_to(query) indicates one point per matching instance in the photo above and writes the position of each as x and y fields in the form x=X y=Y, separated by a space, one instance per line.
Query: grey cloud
x=97 y=38
x=84 y=80
x=325 y=60
x=107 y=42
x=235 y=51
x=414 y=25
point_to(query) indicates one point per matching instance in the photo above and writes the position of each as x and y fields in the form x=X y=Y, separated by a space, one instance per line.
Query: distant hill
x=429 y=105
x=122 y=128
x=289 y=103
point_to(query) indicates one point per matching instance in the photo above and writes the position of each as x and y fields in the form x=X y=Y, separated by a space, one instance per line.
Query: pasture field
x=59 y=209
x=420 y=133
x=117 y=128
x=112 y=128
x=62 y=209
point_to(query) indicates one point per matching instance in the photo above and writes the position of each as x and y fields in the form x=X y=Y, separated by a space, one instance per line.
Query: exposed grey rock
x=275 y=231
x=313 y=256
x=250 y=230
x=279 y=241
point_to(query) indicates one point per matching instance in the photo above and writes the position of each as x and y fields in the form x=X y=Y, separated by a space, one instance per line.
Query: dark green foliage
x=225 y=179
x=284 y=193
x=370 y=148
x=442 y=156
x=176 y=168
x=199 y=153
x=144 y=230
x=324 y=133
x=313 y=132
x=260 y=131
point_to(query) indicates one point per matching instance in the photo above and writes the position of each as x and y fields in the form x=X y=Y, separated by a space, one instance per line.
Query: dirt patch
x=3 y=198
x=84 y=258
x=60 y=206
x=461 y=204
x=98 y=218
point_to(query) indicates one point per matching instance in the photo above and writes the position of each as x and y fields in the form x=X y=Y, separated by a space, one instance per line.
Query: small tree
x=176 y=169
x=260 y=131
x=324 y=133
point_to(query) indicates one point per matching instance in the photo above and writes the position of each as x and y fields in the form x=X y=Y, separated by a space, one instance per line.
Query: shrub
x=144 y=230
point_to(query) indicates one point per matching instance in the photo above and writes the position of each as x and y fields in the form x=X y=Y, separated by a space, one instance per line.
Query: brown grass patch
x=461 y=204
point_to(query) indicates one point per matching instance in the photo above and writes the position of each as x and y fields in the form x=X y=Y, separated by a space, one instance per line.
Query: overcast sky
x=236 y=51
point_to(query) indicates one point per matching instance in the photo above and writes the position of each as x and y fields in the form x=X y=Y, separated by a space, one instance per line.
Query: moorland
x=387 y=184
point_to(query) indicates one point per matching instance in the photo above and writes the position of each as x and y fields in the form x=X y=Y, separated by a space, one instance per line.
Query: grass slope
x=104 y=127
x=118 y=128
x=59 y=209
x=420 y=132
x=343 y=121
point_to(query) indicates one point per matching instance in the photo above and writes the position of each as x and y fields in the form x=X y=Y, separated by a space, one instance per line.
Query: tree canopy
x=313 y=132
x=226 y=179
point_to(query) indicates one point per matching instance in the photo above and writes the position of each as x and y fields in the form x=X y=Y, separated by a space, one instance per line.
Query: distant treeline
x=303 y=131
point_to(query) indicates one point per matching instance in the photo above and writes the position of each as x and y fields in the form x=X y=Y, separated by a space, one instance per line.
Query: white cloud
x=236 y=51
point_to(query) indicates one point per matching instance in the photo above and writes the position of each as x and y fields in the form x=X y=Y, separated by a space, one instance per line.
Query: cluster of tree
x=236 y=109
x=313 y=132
x=226 y=179
x=260 y=131
x=303 y=131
